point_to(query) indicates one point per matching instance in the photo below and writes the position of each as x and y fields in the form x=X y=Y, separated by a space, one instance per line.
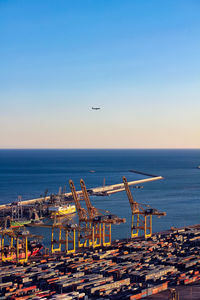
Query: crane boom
x=81 y=211
x=90 y=208
x=133 y=203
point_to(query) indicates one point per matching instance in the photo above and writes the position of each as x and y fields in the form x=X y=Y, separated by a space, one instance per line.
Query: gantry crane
x=14 y=243
x=66 y=234
x=63 y=233
x=92 y=212
x=84 y=232
x=100 y=221
x=141 y=215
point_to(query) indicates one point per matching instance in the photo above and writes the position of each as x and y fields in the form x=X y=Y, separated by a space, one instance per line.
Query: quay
x=127 y=269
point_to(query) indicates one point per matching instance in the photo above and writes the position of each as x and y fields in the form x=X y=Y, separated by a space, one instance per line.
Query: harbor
x=83 y=261
x=92 y=228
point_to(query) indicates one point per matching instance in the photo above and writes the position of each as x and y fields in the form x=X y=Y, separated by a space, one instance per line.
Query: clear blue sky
x=137 y=59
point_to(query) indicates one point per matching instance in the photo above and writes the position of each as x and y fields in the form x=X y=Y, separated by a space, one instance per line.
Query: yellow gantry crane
x=66 y=236
x=141 y=215
x=66 y=232
x=99 y=221
x=13 y=242
x=83 y=229
x=14 y=245
x=63 y=233
x=92 y=212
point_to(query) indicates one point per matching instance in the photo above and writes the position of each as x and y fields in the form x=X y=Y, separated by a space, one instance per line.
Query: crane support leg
x=95 y=237
x=135 y=225
x=3 y=257
x=3 y=249
x=53 y=241
x=91 y=241
x=17 y=249
x=83 y=239
x=148 y=226
x=96 y=240
x=23 y=246
x=70 y=237
x=8 y=252
x=106 y=234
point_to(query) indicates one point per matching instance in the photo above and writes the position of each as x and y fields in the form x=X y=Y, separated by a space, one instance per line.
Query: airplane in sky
x=96 y=108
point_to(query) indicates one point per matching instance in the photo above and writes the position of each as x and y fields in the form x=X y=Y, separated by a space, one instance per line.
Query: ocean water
x=30 y=172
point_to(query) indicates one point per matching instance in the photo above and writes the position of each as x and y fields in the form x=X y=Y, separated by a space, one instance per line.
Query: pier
x=103 y=191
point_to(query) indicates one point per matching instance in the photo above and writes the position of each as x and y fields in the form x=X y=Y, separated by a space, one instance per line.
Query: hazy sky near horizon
x=138 y=60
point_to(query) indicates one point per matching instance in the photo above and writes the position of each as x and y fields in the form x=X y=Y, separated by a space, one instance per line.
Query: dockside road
x=129 y=269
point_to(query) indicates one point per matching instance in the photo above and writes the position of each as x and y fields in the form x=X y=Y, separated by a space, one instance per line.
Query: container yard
x=127 y=269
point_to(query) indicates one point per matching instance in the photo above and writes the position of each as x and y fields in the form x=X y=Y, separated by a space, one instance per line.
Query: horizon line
x=85 y=148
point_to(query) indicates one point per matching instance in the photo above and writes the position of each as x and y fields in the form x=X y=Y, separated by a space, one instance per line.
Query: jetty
x=97 y=191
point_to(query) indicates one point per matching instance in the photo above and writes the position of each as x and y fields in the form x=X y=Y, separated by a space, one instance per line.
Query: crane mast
x=133 y=203
x=92 y=211
x=82 y=213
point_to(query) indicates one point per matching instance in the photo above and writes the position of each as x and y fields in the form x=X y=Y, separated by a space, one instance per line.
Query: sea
x=29 y=173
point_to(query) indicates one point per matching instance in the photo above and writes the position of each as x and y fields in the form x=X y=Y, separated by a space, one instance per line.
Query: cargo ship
x=20 y=222
x=62 y=210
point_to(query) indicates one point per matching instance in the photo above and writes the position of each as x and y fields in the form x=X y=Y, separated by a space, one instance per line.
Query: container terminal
x=83 y=262
x=127 y=269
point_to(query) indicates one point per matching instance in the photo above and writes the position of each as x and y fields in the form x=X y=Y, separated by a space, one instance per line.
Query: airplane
x=96 y=108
